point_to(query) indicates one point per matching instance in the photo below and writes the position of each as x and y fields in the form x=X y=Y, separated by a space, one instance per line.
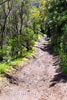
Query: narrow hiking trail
x=39 y=80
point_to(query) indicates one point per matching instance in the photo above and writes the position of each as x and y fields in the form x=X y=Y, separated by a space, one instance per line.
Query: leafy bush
x=64 y=47
x=29 y=38
x=56 y=26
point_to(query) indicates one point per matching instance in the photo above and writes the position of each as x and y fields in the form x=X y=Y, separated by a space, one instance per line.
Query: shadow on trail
x=12 y=79
x=59 y=77
x=46 y=47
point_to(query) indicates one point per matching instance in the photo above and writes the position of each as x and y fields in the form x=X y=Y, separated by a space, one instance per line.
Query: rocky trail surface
x=39 y=80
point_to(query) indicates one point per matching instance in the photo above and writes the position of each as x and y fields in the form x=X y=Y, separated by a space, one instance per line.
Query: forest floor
x=39 y=80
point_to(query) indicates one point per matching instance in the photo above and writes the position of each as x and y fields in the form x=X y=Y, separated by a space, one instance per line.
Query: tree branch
x=4 y=2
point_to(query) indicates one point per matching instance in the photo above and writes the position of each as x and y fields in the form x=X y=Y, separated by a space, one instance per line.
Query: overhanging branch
x=4 y=2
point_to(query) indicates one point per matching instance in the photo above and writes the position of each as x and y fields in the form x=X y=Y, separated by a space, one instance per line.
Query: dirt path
x=39 y=80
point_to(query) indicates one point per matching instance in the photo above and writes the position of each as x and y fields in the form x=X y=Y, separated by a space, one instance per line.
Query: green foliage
x=57 y=21
x=29 y=38
x=63 y=46
x=19 y=30
x=4 y=67
x=55 y=25
x=64 y=70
